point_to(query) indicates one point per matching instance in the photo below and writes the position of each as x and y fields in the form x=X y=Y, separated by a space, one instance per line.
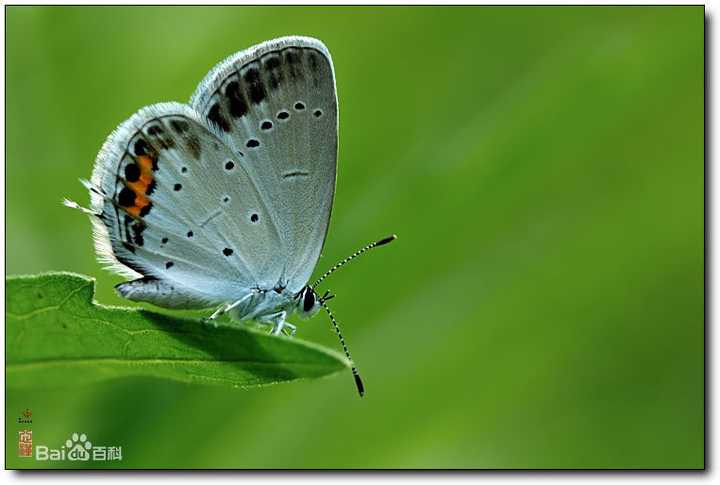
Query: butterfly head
x=308 y=302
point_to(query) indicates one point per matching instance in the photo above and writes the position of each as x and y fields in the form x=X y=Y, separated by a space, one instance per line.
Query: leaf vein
x=18 y=366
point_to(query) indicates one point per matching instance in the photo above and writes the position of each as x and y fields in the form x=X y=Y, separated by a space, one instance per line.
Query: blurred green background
x=543 y=168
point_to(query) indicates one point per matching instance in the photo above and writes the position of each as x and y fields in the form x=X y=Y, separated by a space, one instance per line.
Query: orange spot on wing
x=145 y=163
x=138 y=187
x=146 y=175
x=141 y=201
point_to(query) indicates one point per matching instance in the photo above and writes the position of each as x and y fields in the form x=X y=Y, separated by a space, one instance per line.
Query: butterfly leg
x=277 y=320
x=227 y=307
x=292 y=329
x=216 y=313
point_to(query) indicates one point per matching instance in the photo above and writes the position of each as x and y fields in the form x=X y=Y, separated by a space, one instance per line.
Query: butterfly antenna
x=353 y=256
x=356 y=374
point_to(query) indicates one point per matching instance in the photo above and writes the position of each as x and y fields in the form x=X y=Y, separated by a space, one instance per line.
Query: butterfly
x=227 y=201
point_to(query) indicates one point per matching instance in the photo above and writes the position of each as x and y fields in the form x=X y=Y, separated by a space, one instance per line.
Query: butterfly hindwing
x=276 y=106
x=177 y=206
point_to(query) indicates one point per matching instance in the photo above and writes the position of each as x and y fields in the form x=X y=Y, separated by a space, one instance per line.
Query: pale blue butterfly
x=227 y=201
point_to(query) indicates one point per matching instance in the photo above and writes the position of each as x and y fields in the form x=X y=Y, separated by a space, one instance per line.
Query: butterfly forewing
x=276 y=107
x=177 y=204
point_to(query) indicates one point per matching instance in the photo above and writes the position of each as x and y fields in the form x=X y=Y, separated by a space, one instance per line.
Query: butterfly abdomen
x=161 y=293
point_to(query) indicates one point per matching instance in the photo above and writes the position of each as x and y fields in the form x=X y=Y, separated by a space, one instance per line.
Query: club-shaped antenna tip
x=386 y=240
x=359 y=384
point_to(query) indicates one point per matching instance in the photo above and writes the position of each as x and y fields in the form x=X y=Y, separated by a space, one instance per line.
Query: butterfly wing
x=177 y=206
x=277 y=106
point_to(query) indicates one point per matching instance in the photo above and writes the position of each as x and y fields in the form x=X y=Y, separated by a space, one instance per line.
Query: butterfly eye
x=308 y=300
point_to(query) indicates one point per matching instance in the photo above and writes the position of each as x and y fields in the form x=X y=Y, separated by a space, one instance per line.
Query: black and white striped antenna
x=356 y=374
x=354 y=255
x=327 y=296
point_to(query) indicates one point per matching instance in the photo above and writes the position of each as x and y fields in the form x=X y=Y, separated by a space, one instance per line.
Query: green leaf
x=57 y=336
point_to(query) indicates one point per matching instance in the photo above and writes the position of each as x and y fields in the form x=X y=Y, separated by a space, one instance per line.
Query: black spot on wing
x=141 y=147
x=193 y=144
x=180 y=126
x=126 y=197
x=216 y=117
x=292 y=59
x=159 y=138
x=146 y=209
x=137 y=230
x=272 y=62
x=314 y=61
x=127 y=220
x=254 y=85
x=314 y=64
x=155 y=130
x=251 y=75
x=274 y=72
x=236 y=101
x=132 y=172
x=295 y=173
